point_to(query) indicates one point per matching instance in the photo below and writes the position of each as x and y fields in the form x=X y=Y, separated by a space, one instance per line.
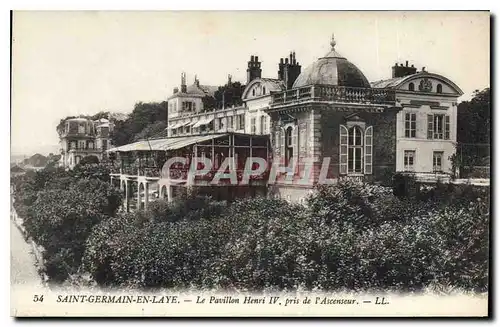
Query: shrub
x=59 y=212
x=92 y=160
x=350 y=236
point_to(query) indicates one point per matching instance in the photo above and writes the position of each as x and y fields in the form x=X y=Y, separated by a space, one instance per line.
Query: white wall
x=422 y=146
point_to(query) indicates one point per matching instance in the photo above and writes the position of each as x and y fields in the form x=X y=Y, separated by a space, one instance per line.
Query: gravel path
x=22 y=260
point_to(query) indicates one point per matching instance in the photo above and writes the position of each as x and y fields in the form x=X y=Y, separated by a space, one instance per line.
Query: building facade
x=82 y=137
x=319 y=125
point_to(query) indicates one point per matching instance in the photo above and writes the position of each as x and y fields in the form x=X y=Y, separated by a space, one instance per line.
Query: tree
x=474 y=118
x=229 y=95
x=88 y=160
x=143 y=115
x=150 y=130
x=473 y=133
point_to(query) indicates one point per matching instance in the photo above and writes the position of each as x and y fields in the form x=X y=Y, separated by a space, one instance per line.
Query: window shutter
x=295 y=141
x=368 y=150
x=447 y=127
x=430 y=126
x=282 y=143
x=343 y=150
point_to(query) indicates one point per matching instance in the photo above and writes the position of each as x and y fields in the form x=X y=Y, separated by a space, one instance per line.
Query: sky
x=71 y=63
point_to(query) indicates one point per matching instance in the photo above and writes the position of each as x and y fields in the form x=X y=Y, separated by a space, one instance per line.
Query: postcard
x=250 y=163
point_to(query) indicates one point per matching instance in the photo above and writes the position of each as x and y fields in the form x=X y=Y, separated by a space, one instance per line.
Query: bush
x=404 y=185
x=158 y=247
x=88 y=160
x=350 y=236
x=59 y=211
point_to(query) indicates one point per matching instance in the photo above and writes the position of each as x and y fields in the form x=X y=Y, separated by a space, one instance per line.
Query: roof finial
x=332 y=42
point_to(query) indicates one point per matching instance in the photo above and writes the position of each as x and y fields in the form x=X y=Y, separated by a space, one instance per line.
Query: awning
x=165 y=144
x=179 y=124
x=203 y=122
x=184 y=123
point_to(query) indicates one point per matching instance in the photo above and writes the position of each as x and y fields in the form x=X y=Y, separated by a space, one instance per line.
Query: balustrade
x=335 y=94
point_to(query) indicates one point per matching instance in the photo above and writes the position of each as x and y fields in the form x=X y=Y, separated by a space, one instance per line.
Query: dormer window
x=253 y=92
x=263 y=90
x=439 y=88
x=411 y=87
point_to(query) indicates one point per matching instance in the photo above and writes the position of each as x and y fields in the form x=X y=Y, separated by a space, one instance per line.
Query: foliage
x=59 y=209
x=229 y=95
x=473 y=134
x=474 y=118
x=151 y=130
x=93 y=171
x=89 y=160
x=143 y=115
x=349 y=236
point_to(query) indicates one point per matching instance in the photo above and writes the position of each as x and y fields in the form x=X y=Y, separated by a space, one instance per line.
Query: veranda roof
x=203 y=121
x=165 y=144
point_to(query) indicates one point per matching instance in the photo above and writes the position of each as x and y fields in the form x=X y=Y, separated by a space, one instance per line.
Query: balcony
x=182 y=175
x=85 y=150
x=332 y=93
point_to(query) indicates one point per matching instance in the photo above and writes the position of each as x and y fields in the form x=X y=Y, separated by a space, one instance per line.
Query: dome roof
x=332 y=69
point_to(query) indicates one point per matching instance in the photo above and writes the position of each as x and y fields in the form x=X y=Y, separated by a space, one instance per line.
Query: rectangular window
x=409 y=160
x=241 y=121
x=410 y=124
x=438 y=127
x=252 y=125
x=263 y=124
x=81 y=145
x=437 y=161
x=104 y=145
x=221 y=123
x=230 y=122
x=187 y=129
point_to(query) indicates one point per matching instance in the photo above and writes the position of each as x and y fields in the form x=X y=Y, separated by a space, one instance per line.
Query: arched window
x=411 y=87
x=355 y=150
x=439 y=88
x=288 y=145
x=253 y=92
x=263 y=90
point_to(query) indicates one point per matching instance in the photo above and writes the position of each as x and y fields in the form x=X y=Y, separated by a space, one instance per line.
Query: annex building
x=327 y=118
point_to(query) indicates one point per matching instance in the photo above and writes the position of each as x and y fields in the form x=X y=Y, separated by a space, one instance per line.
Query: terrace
x=330 y=93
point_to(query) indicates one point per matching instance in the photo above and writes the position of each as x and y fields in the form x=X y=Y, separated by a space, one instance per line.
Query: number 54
x=38 y=298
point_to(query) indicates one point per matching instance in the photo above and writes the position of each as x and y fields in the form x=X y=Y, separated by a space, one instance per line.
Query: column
x=146 y=195
x=169 y=192
x=139 y=195
x=127 y=197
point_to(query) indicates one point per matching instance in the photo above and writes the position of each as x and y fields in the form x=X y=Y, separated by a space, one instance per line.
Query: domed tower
x=332 y=69
x=331 y=118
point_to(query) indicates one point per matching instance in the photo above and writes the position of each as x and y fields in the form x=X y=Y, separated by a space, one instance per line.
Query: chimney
x=229 y=82
x=183 y=83
x=253 y=71
x=196 y=81
x=176 y=90
x=401 y=70
x=280 y=69
x=289 y=70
